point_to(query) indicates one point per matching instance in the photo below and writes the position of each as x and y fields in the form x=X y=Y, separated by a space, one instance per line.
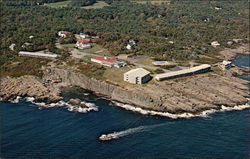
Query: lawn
x=97 y=49
x=97 y=5
x=115 y=75
x=58 y=4
x=70 y=46
x=147 y=62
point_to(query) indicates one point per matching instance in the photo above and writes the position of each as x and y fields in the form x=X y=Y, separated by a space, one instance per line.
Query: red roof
x=66 y=32
x=83 y=41
x=106 y=59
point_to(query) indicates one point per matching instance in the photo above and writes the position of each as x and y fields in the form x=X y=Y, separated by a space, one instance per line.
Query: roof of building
x=226 y=62
x=64 y=32
x=180 y=72
x=138 y=72
x=83 y=41
x=37 y=54
x=106 y=59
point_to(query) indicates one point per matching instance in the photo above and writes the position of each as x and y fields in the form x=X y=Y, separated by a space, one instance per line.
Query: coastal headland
x=192 y=94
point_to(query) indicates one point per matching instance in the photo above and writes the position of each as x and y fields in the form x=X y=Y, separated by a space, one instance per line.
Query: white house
x=225 y=65
x=108 y=61
x=137 y=76
x=217 y=8
x=215 y=43
x=12 y=47
x=131 y=44
x=129 y=47
x=238 y=40
x=31 y=36
x=27 y=44
x=83 y=44
x=63 y=34
x=84 y=36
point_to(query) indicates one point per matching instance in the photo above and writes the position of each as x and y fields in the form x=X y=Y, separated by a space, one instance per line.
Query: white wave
x=16 y=100
x=183 y=115
x=74 y=108
x=30 y=99
x=89 y=107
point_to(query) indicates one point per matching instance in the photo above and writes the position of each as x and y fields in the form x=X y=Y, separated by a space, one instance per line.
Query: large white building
x=174 y=74
x=137 y=76
x=40 y=54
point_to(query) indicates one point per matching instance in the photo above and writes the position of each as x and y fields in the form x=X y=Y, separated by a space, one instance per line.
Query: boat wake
x=205 y=113
x=116 y=135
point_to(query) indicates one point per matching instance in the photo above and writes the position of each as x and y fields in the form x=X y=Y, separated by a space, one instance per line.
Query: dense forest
x=189 y=26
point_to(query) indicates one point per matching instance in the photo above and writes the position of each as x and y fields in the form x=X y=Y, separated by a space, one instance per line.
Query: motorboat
x=105 y=137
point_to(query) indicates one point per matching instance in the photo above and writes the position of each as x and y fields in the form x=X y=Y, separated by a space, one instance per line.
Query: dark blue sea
x=56 y=133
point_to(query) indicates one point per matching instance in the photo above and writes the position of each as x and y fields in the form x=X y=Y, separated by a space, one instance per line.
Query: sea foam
x=205 y=113
x=74 y=108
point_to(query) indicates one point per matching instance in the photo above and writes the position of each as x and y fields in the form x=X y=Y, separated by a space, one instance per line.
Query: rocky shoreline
x=185 y=95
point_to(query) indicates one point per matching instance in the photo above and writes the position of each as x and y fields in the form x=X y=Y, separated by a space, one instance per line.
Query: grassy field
x=58 y=4
x=115 y=75
x=147 y=62
x=99 y=4
x=97 y=49
x=70 y=46
x=159 y=2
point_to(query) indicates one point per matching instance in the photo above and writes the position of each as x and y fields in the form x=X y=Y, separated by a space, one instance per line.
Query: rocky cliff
x=191 y=94
x=30 y=86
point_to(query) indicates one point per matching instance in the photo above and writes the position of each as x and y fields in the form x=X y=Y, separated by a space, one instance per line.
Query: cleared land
x=147 y=62
x=70 y=46
x=115 y=76
x=97 y=5
x=97 y=49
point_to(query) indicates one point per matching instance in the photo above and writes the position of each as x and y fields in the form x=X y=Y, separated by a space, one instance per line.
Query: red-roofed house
x=108 y=61
x=83 y=44
x=63 y=34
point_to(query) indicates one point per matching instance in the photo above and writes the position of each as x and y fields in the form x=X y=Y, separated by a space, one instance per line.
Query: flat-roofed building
x=174 y=74
x=38 y=55
x=108 y=61
x=137 y=76
x=225 y=65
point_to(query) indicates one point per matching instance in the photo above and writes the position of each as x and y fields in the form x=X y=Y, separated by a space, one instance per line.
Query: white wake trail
x=134 y=130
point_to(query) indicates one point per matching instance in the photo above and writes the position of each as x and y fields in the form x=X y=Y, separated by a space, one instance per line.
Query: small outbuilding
x=83 y=44
x=84 y=36
x=225 y=65
x=12 y=47
x=215 y=43
x=63 y=34
x=137 y=76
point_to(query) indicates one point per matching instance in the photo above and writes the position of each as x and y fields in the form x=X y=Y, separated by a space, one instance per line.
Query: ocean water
x=242 y=60
x=28 y=132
